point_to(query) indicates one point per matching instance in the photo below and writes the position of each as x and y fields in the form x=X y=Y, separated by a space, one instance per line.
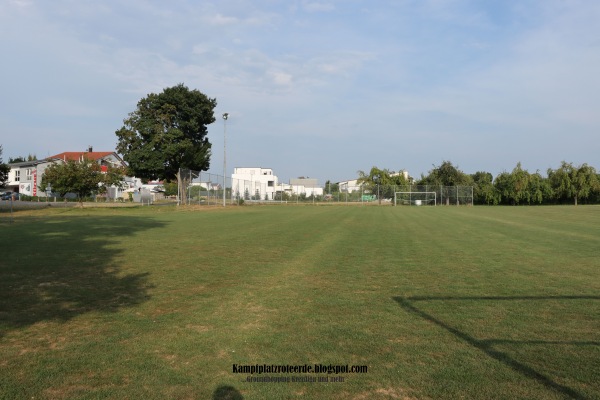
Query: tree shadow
x=225 y=392
x=54 y=269
x=486 y=346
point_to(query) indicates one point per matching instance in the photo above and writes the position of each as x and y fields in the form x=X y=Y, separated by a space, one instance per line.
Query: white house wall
x=253 y=180
x=349 y=186
x=307 y=191
x=27 y=183
x=263 y=181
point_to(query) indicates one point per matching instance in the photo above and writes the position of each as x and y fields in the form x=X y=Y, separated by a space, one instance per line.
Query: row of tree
x=30 y=157
x=567 y=184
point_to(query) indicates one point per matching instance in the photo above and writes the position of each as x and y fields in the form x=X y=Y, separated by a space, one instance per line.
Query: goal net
x=415 y=198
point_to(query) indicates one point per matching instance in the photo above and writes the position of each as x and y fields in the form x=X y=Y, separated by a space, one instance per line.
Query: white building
x=259 y=183
x=349 y=186
x=262 y=184
x=25 y=177
x=404 y=173
x=306 y=186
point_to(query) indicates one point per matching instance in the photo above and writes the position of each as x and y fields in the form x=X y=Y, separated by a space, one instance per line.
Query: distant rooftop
x=76 y=155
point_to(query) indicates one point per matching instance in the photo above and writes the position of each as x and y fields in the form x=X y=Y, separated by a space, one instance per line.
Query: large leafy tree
x=484 y=191
x=4 y=170
x=167 y=132
x=445 y=174
x=505 y=187
x=520 y=190
x=82 y=178
x=539 y=188
x=514 y=187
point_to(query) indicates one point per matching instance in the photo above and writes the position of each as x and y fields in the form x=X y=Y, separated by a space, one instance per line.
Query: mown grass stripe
x=157 y=302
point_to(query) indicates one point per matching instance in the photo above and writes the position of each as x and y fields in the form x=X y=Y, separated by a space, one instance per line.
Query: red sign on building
x=35 y=181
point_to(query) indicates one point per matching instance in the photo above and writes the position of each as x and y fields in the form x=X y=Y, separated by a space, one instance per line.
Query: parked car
x=9 y=195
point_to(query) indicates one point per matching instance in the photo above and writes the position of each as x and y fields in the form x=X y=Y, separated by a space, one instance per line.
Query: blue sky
x=314 y=88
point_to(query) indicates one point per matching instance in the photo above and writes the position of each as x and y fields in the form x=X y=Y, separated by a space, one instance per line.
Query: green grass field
x=437 y=302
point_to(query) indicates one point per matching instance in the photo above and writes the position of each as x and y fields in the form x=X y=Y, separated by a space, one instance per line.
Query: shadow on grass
x=486 y=346
x=227 y=393
x=54 y=269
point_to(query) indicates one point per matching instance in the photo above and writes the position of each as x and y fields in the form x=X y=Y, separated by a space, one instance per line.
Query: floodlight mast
x=225 y=116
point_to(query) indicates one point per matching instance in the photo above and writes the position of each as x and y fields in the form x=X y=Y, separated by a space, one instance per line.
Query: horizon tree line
x=566 y=184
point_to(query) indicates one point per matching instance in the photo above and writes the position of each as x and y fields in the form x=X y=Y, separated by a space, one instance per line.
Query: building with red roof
x=25 y=177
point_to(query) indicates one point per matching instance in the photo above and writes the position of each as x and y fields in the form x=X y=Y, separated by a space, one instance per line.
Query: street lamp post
x=225 y=116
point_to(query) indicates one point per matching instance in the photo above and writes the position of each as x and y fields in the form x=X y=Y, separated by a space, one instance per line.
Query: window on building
x=28 y=174
x=17 y=175
x=271 y=183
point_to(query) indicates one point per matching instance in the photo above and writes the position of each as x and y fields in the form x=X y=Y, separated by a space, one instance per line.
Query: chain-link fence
x=403 y=194
x=206 y=188
x=201 y=187
x=432 y=195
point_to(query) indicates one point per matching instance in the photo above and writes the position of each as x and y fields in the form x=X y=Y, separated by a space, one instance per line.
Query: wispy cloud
x=221 y=20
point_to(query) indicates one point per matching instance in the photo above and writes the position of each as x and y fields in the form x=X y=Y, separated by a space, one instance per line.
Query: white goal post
x=415 y=198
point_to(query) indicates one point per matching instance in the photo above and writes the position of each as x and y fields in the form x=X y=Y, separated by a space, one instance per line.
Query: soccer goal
x=415 y=198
